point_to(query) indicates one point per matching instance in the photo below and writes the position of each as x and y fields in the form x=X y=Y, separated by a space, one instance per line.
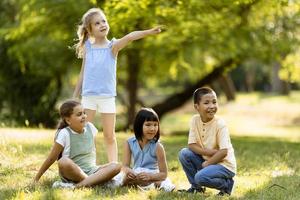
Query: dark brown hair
x=200 y=92
x=66 y=110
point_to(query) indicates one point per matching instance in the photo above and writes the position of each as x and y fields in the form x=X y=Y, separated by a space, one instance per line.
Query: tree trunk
x=133 y=58
x=227 y=86
x=278 y=85
x=249 y=80
x=178 y=99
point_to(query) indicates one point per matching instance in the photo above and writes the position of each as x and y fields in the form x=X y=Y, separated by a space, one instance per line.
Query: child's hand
x=131 y=175
x=33 y=183
x=144 y=176
x=156 y=29
x=205 y=164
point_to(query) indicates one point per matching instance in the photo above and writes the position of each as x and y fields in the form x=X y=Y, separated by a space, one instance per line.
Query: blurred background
x=245 y=49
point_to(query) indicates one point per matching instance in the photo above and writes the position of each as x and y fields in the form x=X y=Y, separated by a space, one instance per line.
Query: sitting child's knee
x=64 y=163
x=116 y=167
x=110 y=139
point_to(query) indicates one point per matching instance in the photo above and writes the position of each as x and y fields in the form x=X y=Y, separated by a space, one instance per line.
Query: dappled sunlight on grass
x=262 y=162
x=264 y=132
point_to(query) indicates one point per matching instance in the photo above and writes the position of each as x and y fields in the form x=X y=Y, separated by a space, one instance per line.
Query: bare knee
x=115 y=167
x=64 y=164
x=110 y=138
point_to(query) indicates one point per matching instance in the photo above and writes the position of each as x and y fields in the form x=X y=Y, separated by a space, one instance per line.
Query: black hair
x=200 y=92
x=145 y=114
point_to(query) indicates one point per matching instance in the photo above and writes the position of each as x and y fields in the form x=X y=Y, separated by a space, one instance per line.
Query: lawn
x=265 y=132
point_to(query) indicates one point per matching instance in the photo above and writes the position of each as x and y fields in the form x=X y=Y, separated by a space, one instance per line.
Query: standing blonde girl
x=75 y=152
x=97 y=79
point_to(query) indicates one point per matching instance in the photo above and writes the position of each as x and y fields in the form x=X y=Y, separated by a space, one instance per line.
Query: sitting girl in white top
x=74 y=148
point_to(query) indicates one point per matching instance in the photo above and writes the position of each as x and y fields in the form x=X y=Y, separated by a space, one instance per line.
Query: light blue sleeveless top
x=145 y=157
x=99 y=77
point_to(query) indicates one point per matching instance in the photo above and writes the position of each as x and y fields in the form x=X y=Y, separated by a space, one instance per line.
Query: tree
x=35 y=57
x=202 y=41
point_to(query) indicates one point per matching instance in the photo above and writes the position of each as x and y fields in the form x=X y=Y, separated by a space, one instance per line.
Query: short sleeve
x=61 y=137
x=192 y=132
x=223 y=136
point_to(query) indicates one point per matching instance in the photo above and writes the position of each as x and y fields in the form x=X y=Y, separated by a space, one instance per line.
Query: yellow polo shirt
x=212 y=135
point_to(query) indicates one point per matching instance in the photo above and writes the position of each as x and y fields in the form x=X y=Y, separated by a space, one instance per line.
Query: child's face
x=207 y=106
x=99 y=26
x=77 y=119
x=150 y=129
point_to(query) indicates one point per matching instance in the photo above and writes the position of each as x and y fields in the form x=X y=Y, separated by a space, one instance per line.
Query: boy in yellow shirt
x=209 y=160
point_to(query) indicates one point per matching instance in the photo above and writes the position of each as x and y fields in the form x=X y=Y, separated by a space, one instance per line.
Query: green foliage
x=35 y=57
x=198 y=35
x=291 y=67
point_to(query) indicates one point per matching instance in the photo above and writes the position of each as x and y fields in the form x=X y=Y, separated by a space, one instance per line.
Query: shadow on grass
x=283 y=187
x=252 y=153
x=45 y=191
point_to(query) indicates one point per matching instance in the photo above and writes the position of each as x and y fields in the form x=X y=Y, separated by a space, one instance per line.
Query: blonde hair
x=84 y=28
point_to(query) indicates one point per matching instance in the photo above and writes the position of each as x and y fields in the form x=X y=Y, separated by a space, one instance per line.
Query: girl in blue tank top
x=97 y=79
x=149 y=159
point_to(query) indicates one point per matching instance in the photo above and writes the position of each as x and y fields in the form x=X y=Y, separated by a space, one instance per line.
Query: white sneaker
x=167 y=185
x=60 y=184
x=112 y=184
x=147 y=187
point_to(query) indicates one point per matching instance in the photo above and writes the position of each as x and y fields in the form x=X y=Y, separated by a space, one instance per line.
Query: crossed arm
x=215 y=156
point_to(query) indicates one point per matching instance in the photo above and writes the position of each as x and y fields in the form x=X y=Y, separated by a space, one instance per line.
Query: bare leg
x=104 y=174
x=90 y=115
x=68 y=169
x=108 y=123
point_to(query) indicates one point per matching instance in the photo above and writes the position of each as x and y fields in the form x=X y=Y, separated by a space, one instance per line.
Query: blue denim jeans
x=213 y=176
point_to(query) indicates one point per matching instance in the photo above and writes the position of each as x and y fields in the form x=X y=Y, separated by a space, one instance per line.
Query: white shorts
x=165 y=185
x=100 y=104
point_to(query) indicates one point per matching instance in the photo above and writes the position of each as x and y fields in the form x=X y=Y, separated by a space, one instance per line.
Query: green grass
x=265 y=134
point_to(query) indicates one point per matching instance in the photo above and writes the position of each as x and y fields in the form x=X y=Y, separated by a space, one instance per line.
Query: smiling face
x=77 y=119
x=207 y=106
x=150 y=129
x=99 y=26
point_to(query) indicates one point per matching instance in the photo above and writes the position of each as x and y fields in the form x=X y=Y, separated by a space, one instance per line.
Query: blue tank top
x=99 y=77
x=145 y=157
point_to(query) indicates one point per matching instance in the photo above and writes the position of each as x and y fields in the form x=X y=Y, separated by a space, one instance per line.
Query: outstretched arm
x=135 y=35
x=52 y=157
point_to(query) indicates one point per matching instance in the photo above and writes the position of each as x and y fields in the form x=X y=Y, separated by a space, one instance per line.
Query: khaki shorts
x=100 y=104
